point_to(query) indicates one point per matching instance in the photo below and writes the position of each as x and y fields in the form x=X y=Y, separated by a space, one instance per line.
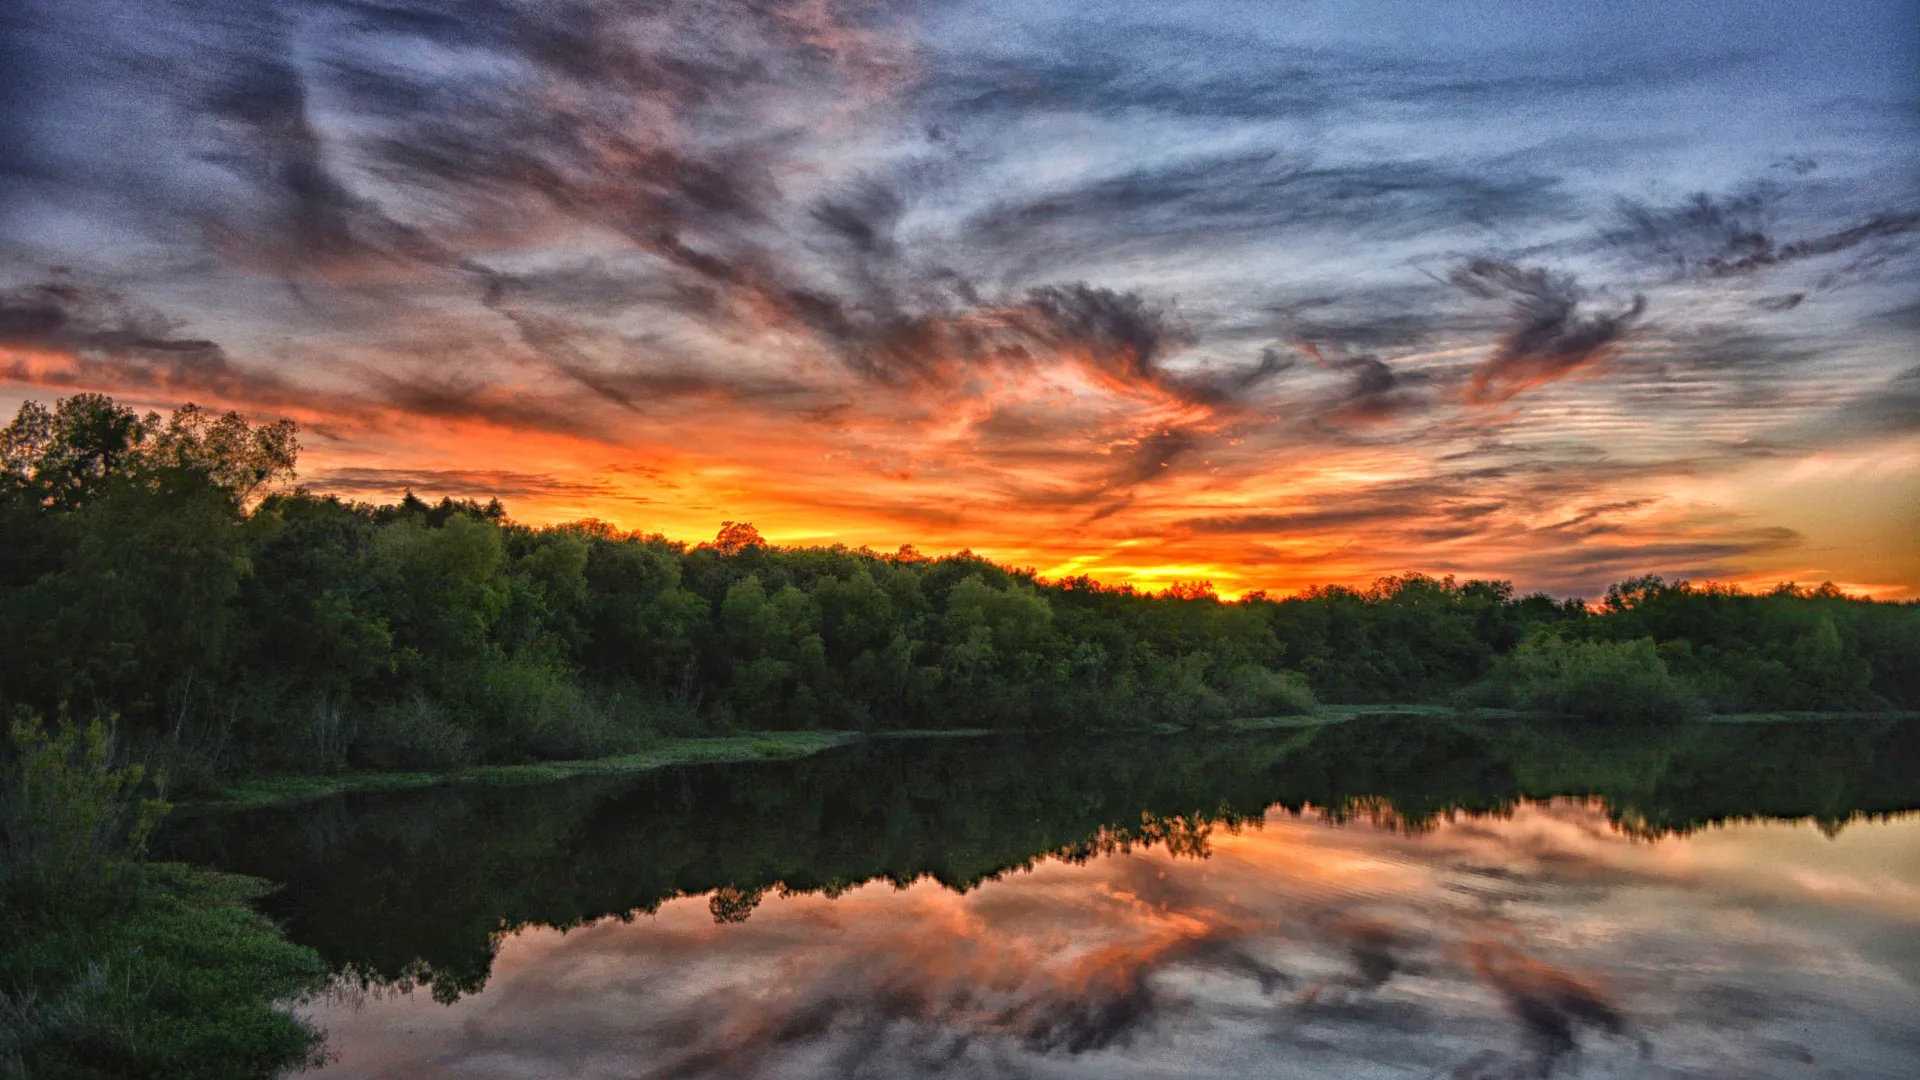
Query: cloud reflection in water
x=1540 y=944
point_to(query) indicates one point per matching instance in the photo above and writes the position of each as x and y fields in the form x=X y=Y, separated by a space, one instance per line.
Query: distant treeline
x=157 y=569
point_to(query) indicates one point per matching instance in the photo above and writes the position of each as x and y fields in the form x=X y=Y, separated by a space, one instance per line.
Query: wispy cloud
x=1166 y=295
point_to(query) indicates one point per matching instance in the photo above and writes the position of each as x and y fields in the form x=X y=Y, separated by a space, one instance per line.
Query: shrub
x=1601 y=680
x=537 y=709
x=1184 y=697
x=68 y=816
x=1261 y=691
x=413 y=733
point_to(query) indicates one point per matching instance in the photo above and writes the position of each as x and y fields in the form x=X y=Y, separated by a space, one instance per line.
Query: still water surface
x=1391 y=898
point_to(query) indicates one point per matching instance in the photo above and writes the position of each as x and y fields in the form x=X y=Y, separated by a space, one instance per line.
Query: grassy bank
x=756 y=746
x=111 y=966
x=179 y=979
x=1804 y=717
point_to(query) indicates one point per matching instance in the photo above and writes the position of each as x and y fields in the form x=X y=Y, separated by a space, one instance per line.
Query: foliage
x=180 y=982
x=111 y=967
x=69 y=818
x=1601 y=680
x=162 y=570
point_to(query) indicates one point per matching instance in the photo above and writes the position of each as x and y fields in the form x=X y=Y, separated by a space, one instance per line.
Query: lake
x=1382 y=897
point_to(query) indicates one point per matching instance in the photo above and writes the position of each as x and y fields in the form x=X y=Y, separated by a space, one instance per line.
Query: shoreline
x=289 y=789
x=286 y=789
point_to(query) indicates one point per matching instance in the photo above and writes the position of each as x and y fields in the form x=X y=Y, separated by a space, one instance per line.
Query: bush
x=69 y=818
x=1259 y=691
x=1599 y=680
x=1184 y=697
x=538 y=710
x=413 y=733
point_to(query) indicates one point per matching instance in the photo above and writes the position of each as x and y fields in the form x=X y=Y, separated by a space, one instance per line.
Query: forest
x=167 y=572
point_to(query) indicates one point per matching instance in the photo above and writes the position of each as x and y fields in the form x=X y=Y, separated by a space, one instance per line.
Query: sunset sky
x=1267 y=294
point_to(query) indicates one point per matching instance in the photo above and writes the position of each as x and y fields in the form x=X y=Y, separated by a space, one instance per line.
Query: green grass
x=1482 y=711
x=1282 y=723
x=1802 y=717
x=178 y=979
x=753 y=746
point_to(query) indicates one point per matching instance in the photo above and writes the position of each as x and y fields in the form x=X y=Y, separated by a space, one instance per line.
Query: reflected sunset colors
x=1540 y=941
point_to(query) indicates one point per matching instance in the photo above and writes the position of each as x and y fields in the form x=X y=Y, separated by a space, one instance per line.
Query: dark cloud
x=593 y=287
x=1226 y=388
x=1374 y=391
x=261 y=106
x=454 y=395
x=1124 y=336
x=1551 y=1005
x=1892 y=408
x=1118 y=338
x=1590 y=565
x=67 y=316
x=1264 y=193
x=24 y=77
x=1150 y=456
x=1711 y=236
x=89 y=337
x=1700 y=234
x=1463 y=499
x=458 y=483
x=1708 y=372
x=1081 y=77
x=606 y=363
x=864 y=217
x=637 y=123
x=1199 y=72
x=1548 y=338
x=1383 y=319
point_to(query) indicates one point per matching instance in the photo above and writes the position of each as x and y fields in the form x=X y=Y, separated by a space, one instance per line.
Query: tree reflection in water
x=1171 y=904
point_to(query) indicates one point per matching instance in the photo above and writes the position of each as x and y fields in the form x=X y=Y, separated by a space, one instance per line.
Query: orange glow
x=1061 y=467
x=1586 y=937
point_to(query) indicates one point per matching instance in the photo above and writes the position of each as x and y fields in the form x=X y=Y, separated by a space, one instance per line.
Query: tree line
x=165 y=571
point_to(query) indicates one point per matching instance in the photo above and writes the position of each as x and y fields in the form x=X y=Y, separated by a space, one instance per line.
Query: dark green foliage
x=179 y=981
x=1785 y=649
x=70 y=819
x=150 y=568
x=1594 y=680
x=110 y=967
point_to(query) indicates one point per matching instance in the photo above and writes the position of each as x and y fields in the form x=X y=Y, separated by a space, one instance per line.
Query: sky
x=1269 y=295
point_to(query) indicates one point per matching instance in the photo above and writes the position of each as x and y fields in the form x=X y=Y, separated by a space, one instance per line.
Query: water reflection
x=1543 y=943
x=1378 y=898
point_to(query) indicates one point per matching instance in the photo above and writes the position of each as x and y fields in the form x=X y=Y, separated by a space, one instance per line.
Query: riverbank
x=291 y=788
x=288 y=789
x=178 y=976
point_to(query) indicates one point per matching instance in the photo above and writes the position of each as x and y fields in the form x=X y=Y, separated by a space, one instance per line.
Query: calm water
x=1415 y=898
